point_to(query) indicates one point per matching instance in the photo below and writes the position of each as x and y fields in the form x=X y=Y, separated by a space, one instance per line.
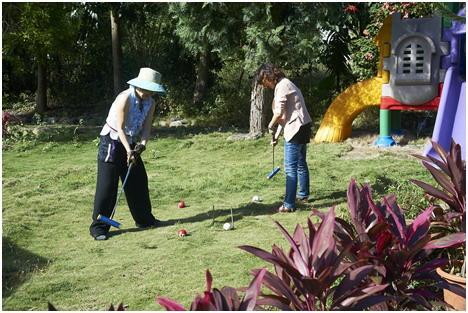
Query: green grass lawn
x=48 y=191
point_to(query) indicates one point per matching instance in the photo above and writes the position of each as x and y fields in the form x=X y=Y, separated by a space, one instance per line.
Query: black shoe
x=101 y=237
x=155 y=223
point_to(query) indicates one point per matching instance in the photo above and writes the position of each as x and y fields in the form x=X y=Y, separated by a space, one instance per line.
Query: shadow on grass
x=333 y=198
x=113 y=233
x=381 y=185
x=250 y=209
x=18 y=264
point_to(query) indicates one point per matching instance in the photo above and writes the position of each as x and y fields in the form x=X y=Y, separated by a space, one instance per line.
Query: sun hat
x=148 y=79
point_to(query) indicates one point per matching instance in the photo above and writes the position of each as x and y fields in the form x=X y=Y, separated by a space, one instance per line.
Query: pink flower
x=369 y=56
x=365 y=32
x=350 y=8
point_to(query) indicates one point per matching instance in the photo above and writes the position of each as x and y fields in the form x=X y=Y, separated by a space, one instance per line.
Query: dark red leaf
x=209 y=280
x=396 y=220
x=205 y=303
x=419 y=227
x=275 y=301
x=220 y=301
x=456 y=289
x=312 y=232
x=451 y=240
x=278 y=286
x=250 y=297
x=429 y=159
x=434 y=192
x=420 y=273
x=264 y=255
x=232 y=298
x=170 y=305
x=302 y=240
x=323 y=239
x=299 y=260
x=350 y=282
x=441 y=178
x=368 y=302
x=440 y=151
x=365 y=293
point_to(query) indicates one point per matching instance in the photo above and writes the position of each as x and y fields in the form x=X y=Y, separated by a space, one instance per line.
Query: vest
x=134 y=120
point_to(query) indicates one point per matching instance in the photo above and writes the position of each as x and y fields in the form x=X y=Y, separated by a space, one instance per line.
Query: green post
x=396 y=121
x=385 y=139
x=385 y=121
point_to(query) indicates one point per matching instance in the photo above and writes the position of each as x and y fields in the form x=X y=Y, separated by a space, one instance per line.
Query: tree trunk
x=257 y=110
x=116 y=49
x=41 y=93
x=202 y=77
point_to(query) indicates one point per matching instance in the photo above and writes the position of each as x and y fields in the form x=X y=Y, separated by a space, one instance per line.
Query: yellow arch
x=336 y=124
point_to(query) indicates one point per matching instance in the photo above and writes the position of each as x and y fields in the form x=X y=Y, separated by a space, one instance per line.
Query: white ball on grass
x=227 y=226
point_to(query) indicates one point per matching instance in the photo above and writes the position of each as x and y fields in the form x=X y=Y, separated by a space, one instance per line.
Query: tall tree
x=116 y=47
x=257 y=111
x=205 y=30
x=44 y=30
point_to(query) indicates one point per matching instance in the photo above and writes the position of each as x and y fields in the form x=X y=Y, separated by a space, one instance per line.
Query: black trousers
x=111 y=167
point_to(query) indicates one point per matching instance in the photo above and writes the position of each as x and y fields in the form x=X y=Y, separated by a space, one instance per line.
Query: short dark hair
x=270 y=71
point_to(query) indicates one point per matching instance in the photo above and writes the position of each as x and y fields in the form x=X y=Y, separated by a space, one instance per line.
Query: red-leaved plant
x=313 y=275
x=225 y=299
x=449 y=225
x=379 y=235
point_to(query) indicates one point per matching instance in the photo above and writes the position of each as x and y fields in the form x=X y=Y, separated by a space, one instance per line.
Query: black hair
x=269 y=71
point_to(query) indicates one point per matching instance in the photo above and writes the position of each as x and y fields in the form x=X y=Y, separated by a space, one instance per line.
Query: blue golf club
x=109 y=220
x=275 y=169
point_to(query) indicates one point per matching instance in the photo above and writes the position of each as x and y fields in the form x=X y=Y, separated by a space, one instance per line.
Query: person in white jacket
x=122 y=139
x=289 y=112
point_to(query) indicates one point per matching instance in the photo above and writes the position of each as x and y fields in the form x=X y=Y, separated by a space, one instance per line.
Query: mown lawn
x=48 y=191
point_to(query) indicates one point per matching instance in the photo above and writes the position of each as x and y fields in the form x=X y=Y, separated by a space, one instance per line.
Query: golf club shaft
x=273 y=154
x=120 y=192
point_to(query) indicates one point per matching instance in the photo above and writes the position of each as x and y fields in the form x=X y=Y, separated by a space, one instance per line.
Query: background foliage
x=323 y=47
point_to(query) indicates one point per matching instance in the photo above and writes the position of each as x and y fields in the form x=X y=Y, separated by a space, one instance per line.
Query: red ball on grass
x=182 y=233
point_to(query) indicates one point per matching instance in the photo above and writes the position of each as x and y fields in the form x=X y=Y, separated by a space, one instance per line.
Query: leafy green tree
x=43 y=30
x=206 y=31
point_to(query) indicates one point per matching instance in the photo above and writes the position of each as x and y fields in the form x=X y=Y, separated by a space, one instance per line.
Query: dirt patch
x=363 y=147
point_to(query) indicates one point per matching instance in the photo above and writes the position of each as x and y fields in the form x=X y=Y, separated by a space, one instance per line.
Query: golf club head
x=273 y=173
x=108 y=221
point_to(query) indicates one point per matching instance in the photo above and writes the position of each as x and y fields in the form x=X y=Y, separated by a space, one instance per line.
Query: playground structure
x=417 y=64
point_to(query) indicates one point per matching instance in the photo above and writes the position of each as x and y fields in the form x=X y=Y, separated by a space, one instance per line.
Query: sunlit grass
x=48 y=191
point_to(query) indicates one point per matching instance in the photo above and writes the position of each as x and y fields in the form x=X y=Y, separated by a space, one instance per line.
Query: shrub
x=449 y=225
x=225 y=299
x=313 y=274
x=379 y=235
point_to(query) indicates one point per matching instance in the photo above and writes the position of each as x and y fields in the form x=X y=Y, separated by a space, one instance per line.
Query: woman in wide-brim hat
x=122 y=139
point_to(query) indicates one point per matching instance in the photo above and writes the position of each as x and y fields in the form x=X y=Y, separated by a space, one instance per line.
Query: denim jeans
x=295 y=167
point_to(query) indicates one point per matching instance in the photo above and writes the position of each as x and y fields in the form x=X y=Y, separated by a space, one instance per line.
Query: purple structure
x=451 y=116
